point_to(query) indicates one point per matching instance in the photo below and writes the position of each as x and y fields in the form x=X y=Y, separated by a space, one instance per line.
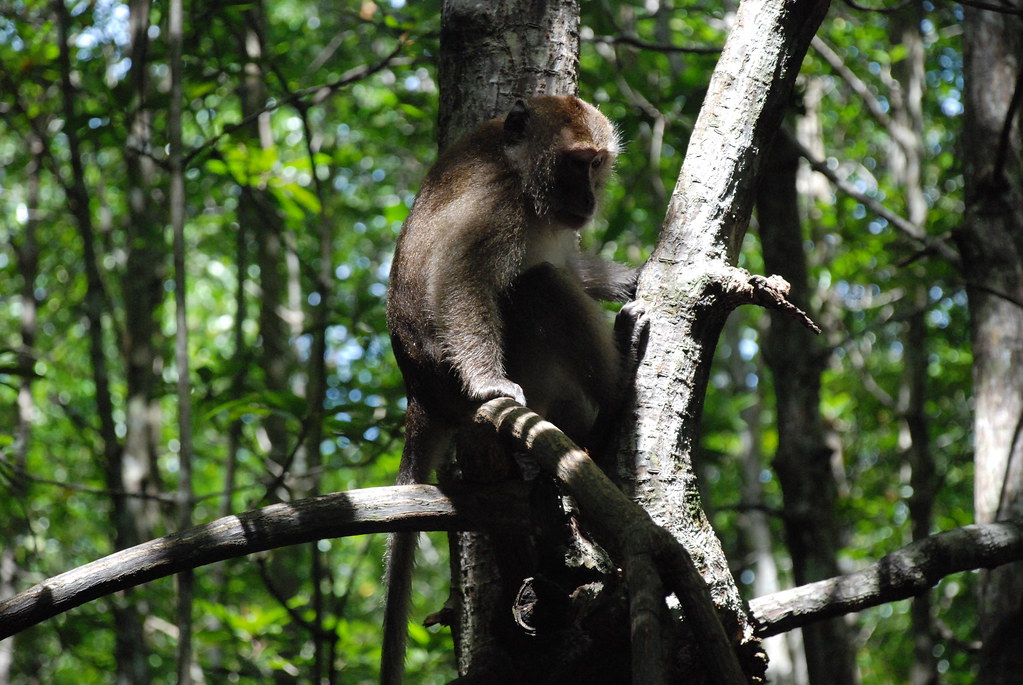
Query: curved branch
x=372 y=510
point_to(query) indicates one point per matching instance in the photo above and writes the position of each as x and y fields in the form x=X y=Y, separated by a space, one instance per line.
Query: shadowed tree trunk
x=129 y=650
x=991 y=244
x=26 y=252
x=907 y=163
x=144 y=276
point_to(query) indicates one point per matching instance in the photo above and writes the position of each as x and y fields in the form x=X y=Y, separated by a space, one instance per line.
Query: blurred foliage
x=375 y=138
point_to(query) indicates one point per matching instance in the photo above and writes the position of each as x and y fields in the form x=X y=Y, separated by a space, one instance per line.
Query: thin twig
x=318 y=93
x=656 y=47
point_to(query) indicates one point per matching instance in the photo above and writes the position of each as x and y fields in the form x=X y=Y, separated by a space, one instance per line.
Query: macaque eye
x=587 y=159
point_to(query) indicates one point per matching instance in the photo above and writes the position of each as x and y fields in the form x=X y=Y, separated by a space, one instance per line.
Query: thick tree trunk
x=991 y=244
x=491 y=55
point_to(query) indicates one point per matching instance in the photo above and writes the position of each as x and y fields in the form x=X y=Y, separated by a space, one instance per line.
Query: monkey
x=490 y=296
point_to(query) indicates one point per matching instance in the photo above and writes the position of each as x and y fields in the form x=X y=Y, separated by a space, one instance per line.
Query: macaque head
x=564 y=150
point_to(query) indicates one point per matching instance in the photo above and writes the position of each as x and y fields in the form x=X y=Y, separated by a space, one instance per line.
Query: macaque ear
x=516 y=122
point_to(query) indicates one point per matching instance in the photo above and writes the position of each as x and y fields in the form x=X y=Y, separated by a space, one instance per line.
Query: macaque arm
x=471 y=329
x=605 y=280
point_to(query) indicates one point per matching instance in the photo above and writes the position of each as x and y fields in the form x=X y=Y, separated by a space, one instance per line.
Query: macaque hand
x=497 y=387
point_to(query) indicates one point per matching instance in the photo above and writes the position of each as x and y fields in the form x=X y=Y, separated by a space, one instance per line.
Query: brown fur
x=490 y=296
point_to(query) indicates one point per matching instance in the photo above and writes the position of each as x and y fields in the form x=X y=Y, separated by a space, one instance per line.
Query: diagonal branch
x=905 y=573
x=929 y=243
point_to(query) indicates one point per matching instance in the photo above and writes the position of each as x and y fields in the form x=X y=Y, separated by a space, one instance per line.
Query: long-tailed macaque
x=491 y=297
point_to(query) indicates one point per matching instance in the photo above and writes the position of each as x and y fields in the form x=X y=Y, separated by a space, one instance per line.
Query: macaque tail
x=400 y=560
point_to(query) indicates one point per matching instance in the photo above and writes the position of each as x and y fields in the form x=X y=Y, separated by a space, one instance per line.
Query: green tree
x=306 y=127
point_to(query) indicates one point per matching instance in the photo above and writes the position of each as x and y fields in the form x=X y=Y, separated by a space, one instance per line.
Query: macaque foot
x=632 y=326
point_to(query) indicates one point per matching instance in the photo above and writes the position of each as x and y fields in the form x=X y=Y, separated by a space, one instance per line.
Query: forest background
x=306 y=130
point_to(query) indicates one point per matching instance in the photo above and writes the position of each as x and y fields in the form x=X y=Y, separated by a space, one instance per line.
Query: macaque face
x=577 y=179
x=563 y=149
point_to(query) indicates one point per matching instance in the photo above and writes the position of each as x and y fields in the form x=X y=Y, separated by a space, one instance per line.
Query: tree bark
x=991 y=244
x=493 y=53
x=902 y=574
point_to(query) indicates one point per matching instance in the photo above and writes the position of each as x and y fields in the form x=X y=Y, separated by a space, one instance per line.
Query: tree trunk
x=785 y=651
x=26 y=252
x=803 y=460
x=278 y=318
x=491 y=55
x=495 y=53
x=907 y=162
x=991 y=244
x=687 y=285
x=129 y=650
x=142 y=287
x=259 y=213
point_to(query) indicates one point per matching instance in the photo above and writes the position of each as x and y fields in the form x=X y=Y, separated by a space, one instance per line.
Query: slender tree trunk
x=803 y=459
x=129 y=650
x=143 y=293
x=279 y=314
x=316 y=392
x=991 y=244
x=142 y=289
x=785 y=651
x=185 y=502
x=907 y=161
x=923 y=480
x=259 y=213
x=26 y=251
